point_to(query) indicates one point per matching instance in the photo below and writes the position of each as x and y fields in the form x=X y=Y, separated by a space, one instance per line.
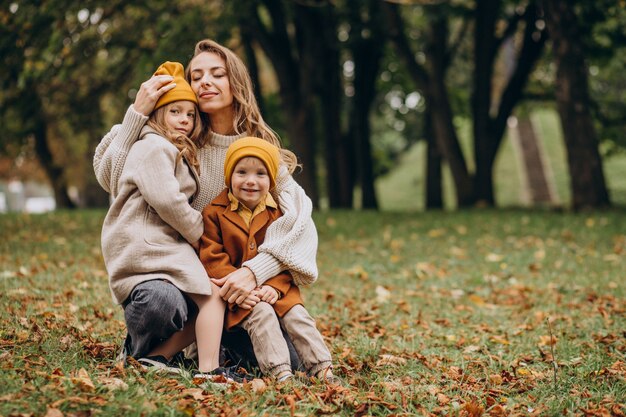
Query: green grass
x=403 y=188
x=445 y=313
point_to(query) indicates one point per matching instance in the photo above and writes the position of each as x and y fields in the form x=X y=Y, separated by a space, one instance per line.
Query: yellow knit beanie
x=182 y=91
x=250 y=146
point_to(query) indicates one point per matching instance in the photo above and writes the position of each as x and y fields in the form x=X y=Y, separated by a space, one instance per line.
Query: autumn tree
x=69 y=69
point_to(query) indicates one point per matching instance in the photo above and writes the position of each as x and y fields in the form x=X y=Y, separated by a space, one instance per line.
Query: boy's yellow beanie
x=257 y=147
x=182 y=91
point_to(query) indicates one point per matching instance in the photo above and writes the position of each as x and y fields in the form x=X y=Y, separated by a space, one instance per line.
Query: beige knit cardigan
x=149 y=227
x=290 y=242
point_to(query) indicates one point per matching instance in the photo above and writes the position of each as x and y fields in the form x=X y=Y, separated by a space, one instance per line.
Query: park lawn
x=466 y=313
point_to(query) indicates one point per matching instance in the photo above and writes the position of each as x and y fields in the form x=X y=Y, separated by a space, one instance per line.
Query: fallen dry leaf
x=53 y=412
x=390 y=360
x=83 y=381
x=113 y=384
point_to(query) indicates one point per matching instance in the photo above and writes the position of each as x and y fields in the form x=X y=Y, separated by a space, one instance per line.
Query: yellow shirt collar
x=246 y=214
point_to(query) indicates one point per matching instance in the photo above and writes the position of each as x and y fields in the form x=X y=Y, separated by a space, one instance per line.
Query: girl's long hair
x=186 y=145
x=248 y=117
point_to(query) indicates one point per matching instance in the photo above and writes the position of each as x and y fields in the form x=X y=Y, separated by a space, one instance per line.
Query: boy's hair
x=247 y=117
x=186 y=145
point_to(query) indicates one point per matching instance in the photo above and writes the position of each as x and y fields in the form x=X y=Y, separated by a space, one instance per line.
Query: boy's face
x=250 y=181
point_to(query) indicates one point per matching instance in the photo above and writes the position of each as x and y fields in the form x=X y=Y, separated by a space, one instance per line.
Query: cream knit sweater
x=290 y=242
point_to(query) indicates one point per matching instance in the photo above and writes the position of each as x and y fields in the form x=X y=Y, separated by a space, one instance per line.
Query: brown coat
x=227 y=242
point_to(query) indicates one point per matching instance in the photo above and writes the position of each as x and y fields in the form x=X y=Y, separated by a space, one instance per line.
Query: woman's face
x=210 y=82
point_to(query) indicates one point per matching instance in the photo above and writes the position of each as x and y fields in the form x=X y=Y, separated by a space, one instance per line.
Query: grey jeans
x=271 y=350
x=156 y=309
x=153 y=312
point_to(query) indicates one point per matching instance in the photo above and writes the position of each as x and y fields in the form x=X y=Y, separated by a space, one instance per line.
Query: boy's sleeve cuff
x=264 y=266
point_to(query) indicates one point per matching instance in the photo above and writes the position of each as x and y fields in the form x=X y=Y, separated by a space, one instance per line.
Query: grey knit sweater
x=290 y=242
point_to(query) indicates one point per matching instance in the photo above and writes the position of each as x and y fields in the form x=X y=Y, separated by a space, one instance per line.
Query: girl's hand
x=150 y=92
x=268 y=294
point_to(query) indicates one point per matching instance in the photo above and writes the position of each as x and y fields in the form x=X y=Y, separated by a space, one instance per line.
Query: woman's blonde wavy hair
x=248 y=117
x=186 y=145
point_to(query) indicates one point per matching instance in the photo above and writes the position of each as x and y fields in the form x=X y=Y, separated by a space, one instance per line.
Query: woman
x=229 y=109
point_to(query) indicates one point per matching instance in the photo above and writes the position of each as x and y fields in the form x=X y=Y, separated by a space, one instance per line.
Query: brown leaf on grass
x=53 y=412
x=547 y=340
x=195 y=393
x=258 y=385
x=496 y=379
x=499 y=339
x=497 y=411
x=383 y=295
x=113 y=384
x=72 y=400
x=443 y=399
x=471 y=348
x=596 y=412
x=361 y=410
x=618 y=410
x=291 y=402
x=472 y=409
x=359 y=272
x=83 y=381
x=390 y=360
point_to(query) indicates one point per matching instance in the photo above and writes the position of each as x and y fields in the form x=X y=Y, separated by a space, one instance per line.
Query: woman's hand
x=150 y=92
x=268 y=294
x=236 y=286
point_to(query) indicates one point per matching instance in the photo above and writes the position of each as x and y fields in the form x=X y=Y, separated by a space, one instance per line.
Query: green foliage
x=83 y=61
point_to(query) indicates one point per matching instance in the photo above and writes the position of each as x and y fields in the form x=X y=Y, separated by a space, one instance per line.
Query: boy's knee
x=262 y=311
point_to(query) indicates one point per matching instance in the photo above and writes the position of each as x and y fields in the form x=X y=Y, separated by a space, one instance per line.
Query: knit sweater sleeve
x=291 y=240
x=111 y=152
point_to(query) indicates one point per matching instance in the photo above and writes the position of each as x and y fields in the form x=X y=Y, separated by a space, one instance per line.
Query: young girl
x=226 y=99
x=151 y=230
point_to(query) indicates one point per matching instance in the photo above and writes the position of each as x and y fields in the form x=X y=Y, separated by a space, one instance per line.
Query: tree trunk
x=252 y=64
x=574 y=104
x=434 y=180
x=486 y=15
x=441 y=111
x=338 y=163
x=492 y=109
x=294 y=86
x=367 y=52
x=320 y=55
x=432 y=83
x=55 y=172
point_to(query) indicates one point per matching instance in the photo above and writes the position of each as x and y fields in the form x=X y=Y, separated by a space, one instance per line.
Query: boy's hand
x=250 y=301
x=268 y=294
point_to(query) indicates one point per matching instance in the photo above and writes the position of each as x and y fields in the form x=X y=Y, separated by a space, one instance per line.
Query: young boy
x=234 y=226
